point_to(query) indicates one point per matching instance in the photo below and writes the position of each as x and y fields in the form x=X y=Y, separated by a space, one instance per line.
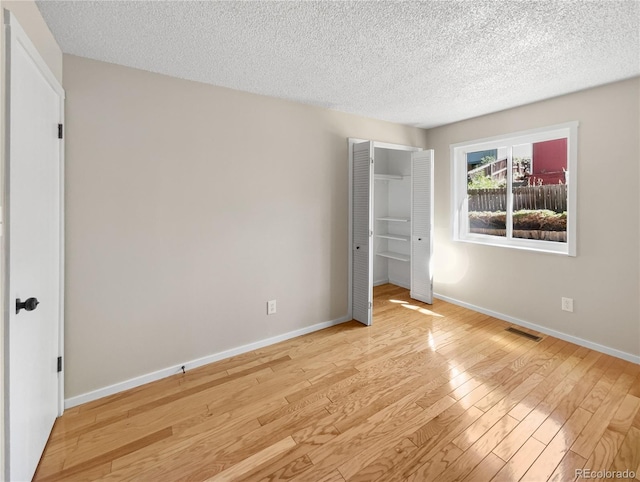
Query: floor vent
x=523 y=333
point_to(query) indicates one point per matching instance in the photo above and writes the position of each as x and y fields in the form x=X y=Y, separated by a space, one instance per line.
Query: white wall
x=28 y=15
x=188 y=207
x=603 y=279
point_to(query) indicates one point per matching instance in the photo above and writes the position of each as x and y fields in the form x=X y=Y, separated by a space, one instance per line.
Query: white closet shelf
x=397 y=237
x=392 y=255
x=389 y=177
x=399 y=220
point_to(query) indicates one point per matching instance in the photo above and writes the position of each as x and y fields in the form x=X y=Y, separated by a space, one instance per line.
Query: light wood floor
x=427 y=393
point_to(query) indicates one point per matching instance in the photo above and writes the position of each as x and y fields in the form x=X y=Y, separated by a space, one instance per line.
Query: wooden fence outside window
x=552 y=197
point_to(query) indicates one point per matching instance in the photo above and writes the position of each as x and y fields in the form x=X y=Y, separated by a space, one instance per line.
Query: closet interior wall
x=392 y=213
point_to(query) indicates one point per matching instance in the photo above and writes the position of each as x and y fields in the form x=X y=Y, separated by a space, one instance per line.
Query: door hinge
x=371 y=158
x=370 y=305
x=60 y=131
x=370 y=233
x=59 y=364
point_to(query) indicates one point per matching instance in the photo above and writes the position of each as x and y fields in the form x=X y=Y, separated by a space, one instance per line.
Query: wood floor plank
x=385 y=462
x=592 y=433
x=635 y=387
x=555 y=372
x=479 y=450
x=552 y=455
x=428 y=392
x=284 y=467
x=496 y=412
x=391 y=423
x=595 y=398
x=628 y=457
x=583 y=383
x=245 y=446
x=238 y=470
x=435 y=435
x=636 y=420
x=105 y=458
x=566 y=469
x=605 y=451
x=333 y=476
x=371 y=453
x=160 y=457
x=129 y=430
x=354 y=411
x=437 y=464
x=219 y=423
x=517 y=465
x=485 y=470
x=220 y=452
x=517 y=438
x=625 y=415
x=535 y=418
x=340 y=376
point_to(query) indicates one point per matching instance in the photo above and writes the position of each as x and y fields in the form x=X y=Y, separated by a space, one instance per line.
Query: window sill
x=549 y=247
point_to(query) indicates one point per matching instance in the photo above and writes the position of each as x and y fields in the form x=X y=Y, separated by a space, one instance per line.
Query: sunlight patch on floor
x=453 y=371
x=432 y=341
x=424 y=311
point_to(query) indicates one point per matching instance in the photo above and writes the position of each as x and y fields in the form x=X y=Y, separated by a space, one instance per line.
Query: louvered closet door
x=422 y=225
x=362 y=269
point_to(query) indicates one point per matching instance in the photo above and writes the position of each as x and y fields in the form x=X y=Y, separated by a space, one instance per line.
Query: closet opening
x=391 y=204
x=392 y=218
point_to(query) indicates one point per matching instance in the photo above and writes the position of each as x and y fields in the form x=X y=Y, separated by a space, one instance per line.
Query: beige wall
x=603 y=279
x=28 y=15
x=188 y=207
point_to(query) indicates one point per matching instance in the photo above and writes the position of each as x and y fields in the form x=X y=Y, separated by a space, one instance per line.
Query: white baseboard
x=547 y=331
x=166 y=372
x=400 y=284
x=393 y=282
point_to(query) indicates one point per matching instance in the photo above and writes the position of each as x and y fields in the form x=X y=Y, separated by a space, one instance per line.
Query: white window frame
x=459 y=199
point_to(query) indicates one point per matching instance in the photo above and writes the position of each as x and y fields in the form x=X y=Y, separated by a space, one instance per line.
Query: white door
x=35 y=255
x=362 y=269
x=422 y=225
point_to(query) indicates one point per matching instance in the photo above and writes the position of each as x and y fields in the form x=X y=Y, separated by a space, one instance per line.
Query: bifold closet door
x=422 y=225
x=362 y=189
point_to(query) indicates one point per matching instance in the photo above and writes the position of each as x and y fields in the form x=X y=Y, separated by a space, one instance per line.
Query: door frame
x=376 y=144
x=14 y=33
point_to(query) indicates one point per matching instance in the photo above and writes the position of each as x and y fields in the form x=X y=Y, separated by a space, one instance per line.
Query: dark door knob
x=29 y=304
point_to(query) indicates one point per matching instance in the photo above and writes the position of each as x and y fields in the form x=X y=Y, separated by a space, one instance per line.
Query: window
x=517 y=190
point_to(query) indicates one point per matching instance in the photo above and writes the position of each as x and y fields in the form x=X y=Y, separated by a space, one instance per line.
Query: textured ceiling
x=419 y=63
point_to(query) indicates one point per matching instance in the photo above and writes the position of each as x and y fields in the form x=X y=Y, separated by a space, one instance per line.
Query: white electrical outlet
x=271 y=307
x=567 y=304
